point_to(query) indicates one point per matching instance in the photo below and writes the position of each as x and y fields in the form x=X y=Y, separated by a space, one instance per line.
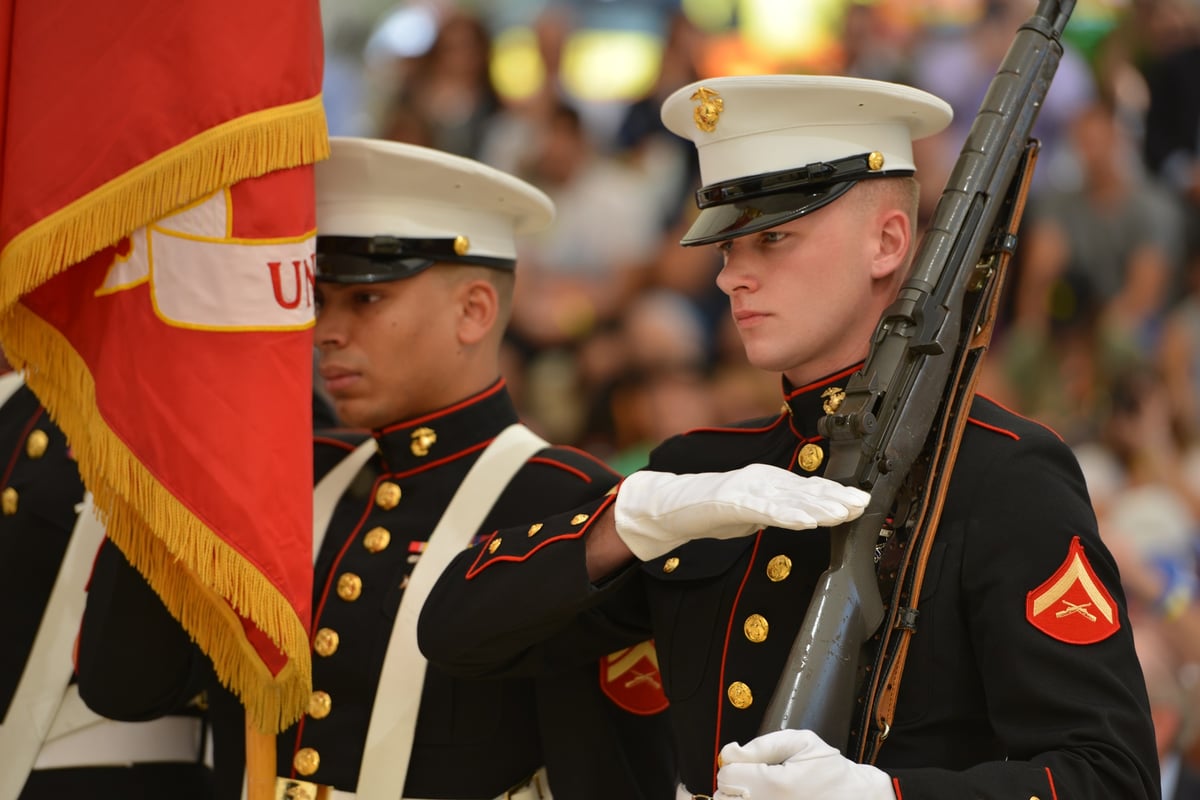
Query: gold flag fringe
x=200 y=578
x=191 y=568
x=245 y=147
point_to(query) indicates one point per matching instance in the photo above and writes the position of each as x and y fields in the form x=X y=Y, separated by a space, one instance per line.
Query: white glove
x=655 y=512
x=784 y=765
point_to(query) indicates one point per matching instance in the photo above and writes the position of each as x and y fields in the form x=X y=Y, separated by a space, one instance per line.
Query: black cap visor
x=353 y=259
x=729 y=221
x=745 y=205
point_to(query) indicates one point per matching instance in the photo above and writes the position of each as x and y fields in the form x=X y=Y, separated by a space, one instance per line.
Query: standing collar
x=449 y=432
x=810 y=402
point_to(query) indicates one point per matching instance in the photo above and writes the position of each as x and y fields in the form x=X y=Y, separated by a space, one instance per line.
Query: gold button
x=779 y=568
x=495 y=545
x=811 y=456
x=326 y=642
x=349 y=586
x=740 y=695
x=422 y=440
x=35 y=445
x=534 y=528
x=755 y=628
x=377 y=539
x=319 y=704
x=387 y=496
x=306 y=761
x=579 y=519
x=670 y=564
x=832 y=397
x=612 y=491
x=8 y=501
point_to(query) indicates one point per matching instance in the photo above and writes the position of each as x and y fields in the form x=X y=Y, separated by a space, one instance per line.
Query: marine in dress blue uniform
x=398 y=224
x=1022 y=681
x=40 y=492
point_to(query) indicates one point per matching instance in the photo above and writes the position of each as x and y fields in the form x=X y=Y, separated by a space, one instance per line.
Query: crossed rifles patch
x=1072 y=605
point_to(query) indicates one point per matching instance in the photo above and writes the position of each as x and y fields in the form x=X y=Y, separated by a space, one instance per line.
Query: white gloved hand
x=655 y=512
x=784 y=765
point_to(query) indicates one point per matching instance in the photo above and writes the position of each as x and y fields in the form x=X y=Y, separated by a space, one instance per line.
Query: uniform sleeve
x=135 y=662
x=520 y=602
x=1046 y=621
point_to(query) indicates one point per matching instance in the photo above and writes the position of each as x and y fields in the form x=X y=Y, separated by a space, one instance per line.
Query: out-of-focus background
x=620 y=338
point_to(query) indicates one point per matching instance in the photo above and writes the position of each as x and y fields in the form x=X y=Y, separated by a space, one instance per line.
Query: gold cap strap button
x=740 y=695
x=36 y=444
x=306 y=761
x=326 y=642
x=387 y=496
x=349 y=586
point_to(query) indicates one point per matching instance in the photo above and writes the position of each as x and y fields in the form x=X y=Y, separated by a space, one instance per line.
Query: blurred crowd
x=620 y=338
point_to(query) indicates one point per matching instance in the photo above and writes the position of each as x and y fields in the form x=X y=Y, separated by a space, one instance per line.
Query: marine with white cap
x=1011 y=691
x=415 y=267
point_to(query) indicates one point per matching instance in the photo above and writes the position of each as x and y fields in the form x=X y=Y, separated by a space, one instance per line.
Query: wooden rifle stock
x=896 y=432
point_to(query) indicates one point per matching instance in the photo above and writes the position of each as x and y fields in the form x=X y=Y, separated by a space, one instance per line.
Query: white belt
x=110 y=743
x=536 y=788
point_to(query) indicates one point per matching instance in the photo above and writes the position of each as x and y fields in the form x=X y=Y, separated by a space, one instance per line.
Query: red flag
x=157 y=220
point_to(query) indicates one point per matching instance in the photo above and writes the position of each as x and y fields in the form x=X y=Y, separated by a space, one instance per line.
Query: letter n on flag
x=157 y=223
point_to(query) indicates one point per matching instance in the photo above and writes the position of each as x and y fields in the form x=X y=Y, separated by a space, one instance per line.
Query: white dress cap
x=372 y=188
x=751 y=126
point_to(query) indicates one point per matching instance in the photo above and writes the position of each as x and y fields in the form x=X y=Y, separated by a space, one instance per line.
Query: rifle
x=896 y=432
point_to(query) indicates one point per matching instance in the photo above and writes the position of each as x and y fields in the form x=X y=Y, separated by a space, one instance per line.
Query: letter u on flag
x=157 y=225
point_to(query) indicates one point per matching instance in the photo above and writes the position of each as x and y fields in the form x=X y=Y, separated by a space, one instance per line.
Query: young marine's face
x=383 y=346
x=801 y=293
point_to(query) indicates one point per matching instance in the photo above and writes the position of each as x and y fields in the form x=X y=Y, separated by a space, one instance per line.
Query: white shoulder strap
x=333 y=486
x=394 y=715
x=48 y=669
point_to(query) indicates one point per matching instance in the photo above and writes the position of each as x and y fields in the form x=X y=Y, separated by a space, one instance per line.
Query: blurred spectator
x=448 y=90
x=1112 y=245
x=1179 y=353
x=959 y=65
x=579 y=272
x=1172 y=128
x=1091 y=282
x=873 y=45
x=669 y=169
x=1173 y=708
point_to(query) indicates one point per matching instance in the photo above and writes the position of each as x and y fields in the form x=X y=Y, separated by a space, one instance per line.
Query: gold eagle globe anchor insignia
x=709 y=110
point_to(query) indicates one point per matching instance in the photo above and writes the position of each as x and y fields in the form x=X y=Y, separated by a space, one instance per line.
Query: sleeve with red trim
x=1023 y=646
x=520 y=602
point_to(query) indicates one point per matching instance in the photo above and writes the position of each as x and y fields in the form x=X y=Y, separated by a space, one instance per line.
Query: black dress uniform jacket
x=41 y=488
x=474 y=739
x=991 y=706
